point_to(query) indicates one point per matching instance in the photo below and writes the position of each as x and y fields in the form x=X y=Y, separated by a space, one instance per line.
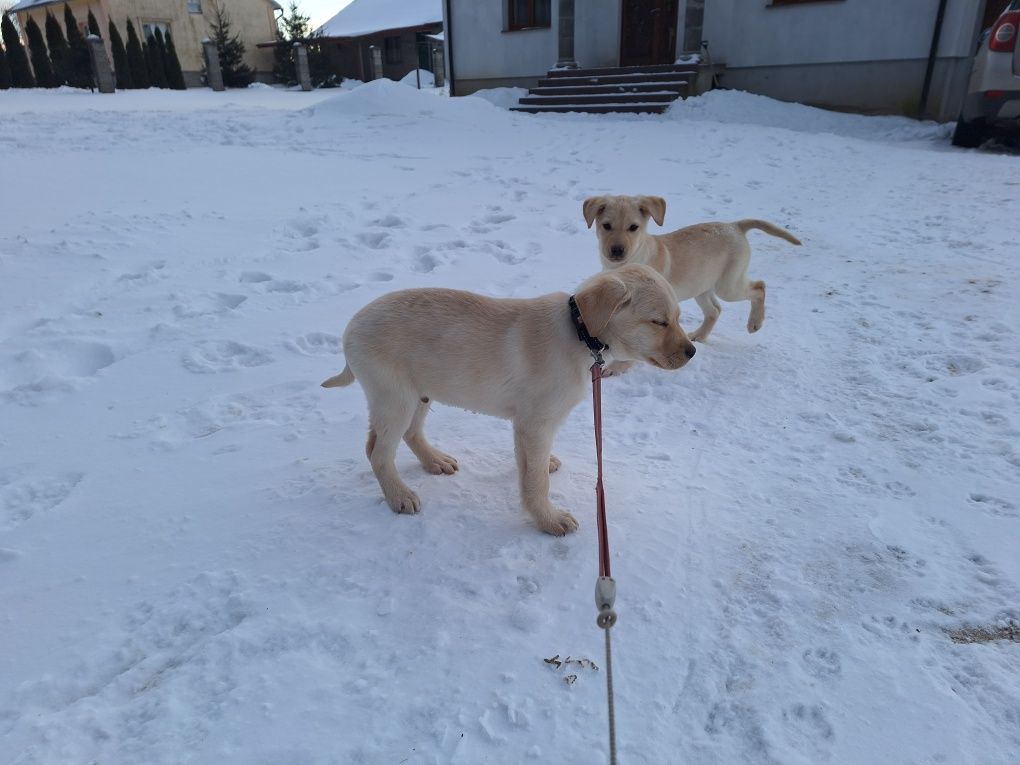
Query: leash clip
x=605 y=597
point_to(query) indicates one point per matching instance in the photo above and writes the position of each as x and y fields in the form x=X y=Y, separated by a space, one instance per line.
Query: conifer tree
x=17 y=59
x=93 y=25
x=236 y=74
x=120 y=59
x=136 y=59
x=293 y=26
x=154 y=58
x=80 y=60
x=60 y=53
x=41 y=65
x=172 y=64
x=5 y=71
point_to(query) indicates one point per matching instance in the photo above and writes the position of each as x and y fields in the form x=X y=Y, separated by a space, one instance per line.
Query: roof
x=365 y=17
x=24 y=5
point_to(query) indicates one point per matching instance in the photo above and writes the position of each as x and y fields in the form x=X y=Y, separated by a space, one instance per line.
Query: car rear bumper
x=998 y=108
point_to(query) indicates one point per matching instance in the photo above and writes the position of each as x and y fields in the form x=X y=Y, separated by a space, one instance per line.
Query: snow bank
x=386 y=98
x=736 y=106
x=428 y=80
x=504 y=98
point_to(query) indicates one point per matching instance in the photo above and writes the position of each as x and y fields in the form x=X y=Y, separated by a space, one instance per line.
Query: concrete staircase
x=635 y=89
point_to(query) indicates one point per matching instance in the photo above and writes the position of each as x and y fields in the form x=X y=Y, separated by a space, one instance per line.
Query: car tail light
x=1003 y=39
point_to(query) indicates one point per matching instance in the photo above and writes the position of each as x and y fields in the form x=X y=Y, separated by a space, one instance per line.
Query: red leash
x=600 y=494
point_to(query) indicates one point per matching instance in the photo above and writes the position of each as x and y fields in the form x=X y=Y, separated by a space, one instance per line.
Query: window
x=391 y=48
x=149 y=29
x=525 y=14
x=194 y=6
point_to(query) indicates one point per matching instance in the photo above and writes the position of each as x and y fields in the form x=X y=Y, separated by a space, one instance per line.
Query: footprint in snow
x=215 y=356
x=316 y=344
x=22 y=498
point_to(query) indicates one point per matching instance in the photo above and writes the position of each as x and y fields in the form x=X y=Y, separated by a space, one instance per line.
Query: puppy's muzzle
x=678 y=359
x=616 y=253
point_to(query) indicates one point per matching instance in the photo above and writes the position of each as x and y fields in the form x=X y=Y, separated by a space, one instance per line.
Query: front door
x=648 y=32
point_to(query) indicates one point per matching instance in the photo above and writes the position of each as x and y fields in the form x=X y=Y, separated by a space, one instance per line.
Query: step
x=646 y=108
x=637 y=78
x=601 y=98
x=586 y=90
x=681 y=68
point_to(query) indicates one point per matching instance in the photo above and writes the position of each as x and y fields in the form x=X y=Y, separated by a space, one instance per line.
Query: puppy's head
x=635 y=311
x=620 y=223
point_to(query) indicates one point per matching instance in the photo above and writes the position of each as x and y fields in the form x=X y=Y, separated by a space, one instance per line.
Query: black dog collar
x=595 y=345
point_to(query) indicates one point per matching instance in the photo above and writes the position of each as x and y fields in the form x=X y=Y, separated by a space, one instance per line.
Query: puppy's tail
x=339 y=381
x=768 y=228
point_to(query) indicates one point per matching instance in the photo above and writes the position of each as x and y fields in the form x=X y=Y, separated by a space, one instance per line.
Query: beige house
x=186 y=20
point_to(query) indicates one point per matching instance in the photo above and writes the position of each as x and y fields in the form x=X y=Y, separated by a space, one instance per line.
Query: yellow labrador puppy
x=705 y=261
x=520 y=359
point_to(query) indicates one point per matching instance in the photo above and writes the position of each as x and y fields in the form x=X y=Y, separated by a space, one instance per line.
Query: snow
x=364 y=17
x=196 y=564
x=501 y=97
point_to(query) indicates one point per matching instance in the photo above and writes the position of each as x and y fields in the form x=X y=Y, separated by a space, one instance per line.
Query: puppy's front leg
x=617 y=368
x=532 y=445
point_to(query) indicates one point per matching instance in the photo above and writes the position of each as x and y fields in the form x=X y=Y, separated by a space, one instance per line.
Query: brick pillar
x=213 y=73
x=102 y=72
x=566 y=36
x=304 y=75
x=438 y=64
x=377 y=67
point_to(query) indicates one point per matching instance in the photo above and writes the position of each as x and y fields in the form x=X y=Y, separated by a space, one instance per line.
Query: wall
x=486 y=56
x=864 y=54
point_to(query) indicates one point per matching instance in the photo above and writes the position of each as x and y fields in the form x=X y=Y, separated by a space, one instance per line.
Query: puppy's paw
x=558 y=523
x=440 y=464
x=617 y=368
x=554 y=463
x=753 y=325
x=404 y=501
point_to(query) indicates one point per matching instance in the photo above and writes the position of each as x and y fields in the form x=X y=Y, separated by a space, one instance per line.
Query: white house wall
x=486 y=56
x=868 y=54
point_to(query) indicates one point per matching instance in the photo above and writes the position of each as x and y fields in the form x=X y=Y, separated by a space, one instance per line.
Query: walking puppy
x=521 y=360
x=705 y=261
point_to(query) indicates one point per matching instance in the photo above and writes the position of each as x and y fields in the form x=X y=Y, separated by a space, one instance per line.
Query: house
x=866 y=55
x=187 y=21
x=391 y=34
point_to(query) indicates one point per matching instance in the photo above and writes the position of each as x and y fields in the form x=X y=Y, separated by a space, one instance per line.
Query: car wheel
x=969 y=135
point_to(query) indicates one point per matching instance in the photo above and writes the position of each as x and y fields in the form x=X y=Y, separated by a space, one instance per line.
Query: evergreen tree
x=41 y=65
x=154 y=58
x=5 y=71
x=174 y=74
x=120 y=59
x=60 y=53
x=236 y=74
x=293 y=26
x=80 y=59
x=93 y=25
x=136 y=59
x=17 y=59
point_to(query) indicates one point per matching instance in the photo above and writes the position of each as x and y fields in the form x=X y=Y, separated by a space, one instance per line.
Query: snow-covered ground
x=196 y=564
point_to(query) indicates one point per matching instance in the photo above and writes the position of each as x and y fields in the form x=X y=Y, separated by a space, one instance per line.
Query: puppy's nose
x=690 y=350
x=616 y=251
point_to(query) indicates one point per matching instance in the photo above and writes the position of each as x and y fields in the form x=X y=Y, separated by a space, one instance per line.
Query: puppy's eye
x=607 y=226
x=658 y=323
x=632 y=227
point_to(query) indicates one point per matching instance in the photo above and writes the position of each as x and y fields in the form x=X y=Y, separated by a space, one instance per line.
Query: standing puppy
x=517 y=359
x=704 y=261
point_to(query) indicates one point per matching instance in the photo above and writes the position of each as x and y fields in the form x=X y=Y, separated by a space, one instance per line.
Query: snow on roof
x=364 y=17
x=24 y=5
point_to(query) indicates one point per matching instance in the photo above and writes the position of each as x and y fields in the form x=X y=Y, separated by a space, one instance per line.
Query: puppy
x=705 y=261
x=518 y=359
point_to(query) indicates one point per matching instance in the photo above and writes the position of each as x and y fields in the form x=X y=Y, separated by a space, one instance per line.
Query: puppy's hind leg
x=746 y=290
x=710 y=310
x=389 y=414
x=430 y=458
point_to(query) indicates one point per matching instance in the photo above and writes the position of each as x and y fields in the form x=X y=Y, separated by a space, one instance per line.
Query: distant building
x=398 y=29
x=867 y=55
x=187 y=21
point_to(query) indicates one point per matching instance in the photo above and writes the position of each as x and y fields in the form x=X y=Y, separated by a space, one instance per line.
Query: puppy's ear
x=653 y=206
x=593 y=206
x=600 y=298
